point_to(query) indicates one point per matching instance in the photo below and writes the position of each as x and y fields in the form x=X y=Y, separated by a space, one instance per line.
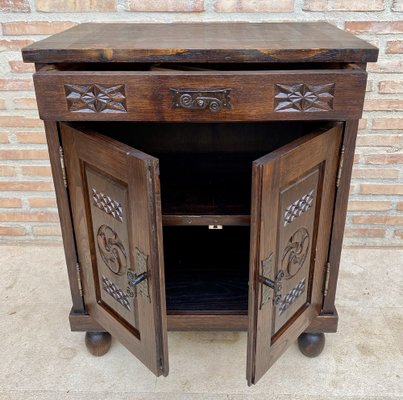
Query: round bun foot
x=311 y=344
x=98 y=343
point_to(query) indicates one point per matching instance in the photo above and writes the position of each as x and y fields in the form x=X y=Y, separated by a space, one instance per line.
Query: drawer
x=200 y=95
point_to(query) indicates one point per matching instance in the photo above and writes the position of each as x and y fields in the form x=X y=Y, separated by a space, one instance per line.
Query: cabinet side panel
x=63 y=206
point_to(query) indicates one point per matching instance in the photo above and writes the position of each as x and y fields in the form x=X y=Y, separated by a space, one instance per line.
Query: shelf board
x=203 y=220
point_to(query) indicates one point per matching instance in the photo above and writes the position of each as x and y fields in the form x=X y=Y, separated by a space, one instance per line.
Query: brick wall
x=27 y=204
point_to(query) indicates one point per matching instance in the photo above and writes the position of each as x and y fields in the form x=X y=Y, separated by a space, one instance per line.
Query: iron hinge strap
x=78 y=273
x=327 y=279
x=63 y=166
x=339 y=172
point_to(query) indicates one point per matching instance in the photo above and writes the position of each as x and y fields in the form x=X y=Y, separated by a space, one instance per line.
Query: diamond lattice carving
x=96 y=98
x=107 y=204
x=291 y=296
x=303 y=97
x=115 y=292
x=299 y=207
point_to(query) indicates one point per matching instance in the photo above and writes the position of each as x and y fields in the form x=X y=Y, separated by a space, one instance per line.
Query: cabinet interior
x=208 y=179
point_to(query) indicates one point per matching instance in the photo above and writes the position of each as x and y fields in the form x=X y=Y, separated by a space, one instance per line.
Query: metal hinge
x=340 y=167
x=63 y=165
x=78 y=273
x=327 y=279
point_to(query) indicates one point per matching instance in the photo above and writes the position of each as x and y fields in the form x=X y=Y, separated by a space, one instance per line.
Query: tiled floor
x=41 y=359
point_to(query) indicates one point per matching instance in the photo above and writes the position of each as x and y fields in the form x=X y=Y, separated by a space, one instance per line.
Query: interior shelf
x=202 y=220
x=206 y=271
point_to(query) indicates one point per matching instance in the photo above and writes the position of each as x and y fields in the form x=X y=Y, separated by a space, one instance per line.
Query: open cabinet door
x=292 y=206
x=115 y=199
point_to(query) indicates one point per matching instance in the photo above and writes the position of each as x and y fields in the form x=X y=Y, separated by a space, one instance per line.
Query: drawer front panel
x=200 y=96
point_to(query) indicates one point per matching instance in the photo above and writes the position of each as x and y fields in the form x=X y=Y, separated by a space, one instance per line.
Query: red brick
x=2 y=104
x=76 y=6
x=4 y=137
x=383 y=105
x=398 y=233
x=26 y=103
x=394 y=47
x=378 y=219
x=20 y=122
x=374 y=140
x=21 y=67
x=381 y=188
x=18 y=28
x=14 y=6
x=36 y=170
x=24 y=154
x=378 y=27
x=393 y=67
x=369 y=205
x=364 y=232
x=12 y=231
x=375 y=173
x=400 y=206
x=254 y=6
x=26 y=186
x=12 y=44
x=10 y=202
x=391 y=87
x=387 y=123
x=30 y=217
x=42 y=202
x=357 y=158
x=343 y=5
x=31 y=137
x=7 y=170
x=16 y=84
x=384 y=159
x=166 y=5
x=46 y=230
x=362 y=124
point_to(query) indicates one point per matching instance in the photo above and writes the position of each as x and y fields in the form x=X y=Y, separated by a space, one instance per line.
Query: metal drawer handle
x=134 y=279
x=201 y=99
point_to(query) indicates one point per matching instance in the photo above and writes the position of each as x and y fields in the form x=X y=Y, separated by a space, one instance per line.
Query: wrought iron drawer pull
x=201 y=99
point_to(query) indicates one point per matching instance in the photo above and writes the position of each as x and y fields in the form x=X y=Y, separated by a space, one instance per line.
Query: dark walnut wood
x=202 y=175
x=202 y=42
x=98 y=343
x=311 y=344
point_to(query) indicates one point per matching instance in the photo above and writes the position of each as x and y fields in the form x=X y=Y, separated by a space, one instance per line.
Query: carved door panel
x=292 y=206
x=115 y=199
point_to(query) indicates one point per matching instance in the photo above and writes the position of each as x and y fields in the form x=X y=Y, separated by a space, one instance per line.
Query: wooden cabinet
x=203 y=188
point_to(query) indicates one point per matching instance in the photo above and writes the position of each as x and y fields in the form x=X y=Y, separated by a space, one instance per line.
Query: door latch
x=267 y=283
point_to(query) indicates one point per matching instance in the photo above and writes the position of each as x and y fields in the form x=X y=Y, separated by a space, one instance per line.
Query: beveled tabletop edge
x=207 y=42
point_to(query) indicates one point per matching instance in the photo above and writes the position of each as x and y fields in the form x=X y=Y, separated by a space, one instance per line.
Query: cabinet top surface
x=201 y=42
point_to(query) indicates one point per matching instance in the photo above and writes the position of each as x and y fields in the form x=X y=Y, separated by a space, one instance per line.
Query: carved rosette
x=200 y=99
x=95 y=98
x=302 y=97
x=111 y=250
x=295 y=252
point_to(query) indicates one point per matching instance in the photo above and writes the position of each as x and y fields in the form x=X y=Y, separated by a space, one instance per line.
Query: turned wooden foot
x=311 y=344
x=98 y=343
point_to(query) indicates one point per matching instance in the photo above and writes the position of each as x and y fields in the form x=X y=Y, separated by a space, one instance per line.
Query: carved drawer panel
x=200 y=95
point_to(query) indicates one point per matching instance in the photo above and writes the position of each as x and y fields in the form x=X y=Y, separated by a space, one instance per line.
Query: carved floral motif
x=96 y=98
x=112 y=250
x=295 y=252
